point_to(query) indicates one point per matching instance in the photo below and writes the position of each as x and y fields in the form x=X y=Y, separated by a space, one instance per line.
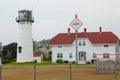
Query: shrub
x=66 y=61
x=4 y=61
x=34 y=61
x=87 y=62
x=59 y=61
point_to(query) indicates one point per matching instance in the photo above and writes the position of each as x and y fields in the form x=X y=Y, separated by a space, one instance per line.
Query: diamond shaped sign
x=76 y=23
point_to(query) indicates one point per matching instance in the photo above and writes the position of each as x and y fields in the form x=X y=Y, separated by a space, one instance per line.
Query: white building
x=25 y=43
x=90 y=46
x=38 y=57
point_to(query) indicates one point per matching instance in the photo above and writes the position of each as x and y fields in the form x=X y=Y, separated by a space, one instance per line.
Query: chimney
x=85 y=30
x=68 y=31
x=100 y=29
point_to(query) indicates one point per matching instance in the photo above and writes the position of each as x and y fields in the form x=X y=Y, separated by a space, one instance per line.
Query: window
x=117 y=49
x=84 y=43
x=106 y=55
x=70 y=55
x=94 y=55
x=79 y=43
x=106 y=45
x=59 y=46
x=20 y=49
x=59 y=55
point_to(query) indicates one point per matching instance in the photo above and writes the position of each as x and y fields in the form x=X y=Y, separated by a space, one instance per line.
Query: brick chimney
x=85 y=30
x=68 y=31
x=100 y=29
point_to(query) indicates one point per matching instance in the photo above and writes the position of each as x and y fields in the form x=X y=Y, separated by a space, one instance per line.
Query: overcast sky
x=53 y=17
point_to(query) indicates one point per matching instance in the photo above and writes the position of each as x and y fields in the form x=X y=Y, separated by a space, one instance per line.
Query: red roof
x=63 y=38
x=94 y=38
x=37 y=54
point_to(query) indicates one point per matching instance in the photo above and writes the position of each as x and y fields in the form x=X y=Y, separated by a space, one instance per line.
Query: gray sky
x=53 y=17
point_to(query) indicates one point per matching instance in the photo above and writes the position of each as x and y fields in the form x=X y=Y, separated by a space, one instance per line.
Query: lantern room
x=24 y=15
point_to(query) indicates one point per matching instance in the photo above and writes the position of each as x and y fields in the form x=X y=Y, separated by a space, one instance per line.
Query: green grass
x=45 y=63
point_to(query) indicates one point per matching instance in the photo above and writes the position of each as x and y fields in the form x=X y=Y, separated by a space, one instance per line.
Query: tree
x=43 y=46
x=35 y=45
x=50 y=55
x=9 y=52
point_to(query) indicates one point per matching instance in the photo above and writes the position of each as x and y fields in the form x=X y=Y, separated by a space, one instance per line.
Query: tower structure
x=25 y=44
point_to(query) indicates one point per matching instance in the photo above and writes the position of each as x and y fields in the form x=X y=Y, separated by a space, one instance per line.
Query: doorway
x=82 y=57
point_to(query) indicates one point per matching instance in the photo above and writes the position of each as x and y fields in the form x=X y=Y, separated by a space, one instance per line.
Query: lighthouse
x=25 y=43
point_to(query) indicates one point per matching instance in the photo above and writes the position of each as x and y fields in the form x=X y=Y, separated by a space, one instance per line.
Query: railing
x=19 y=19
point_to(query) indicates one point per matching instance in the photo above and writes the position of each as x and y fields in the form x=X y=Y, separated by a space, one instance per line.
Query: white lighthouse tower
x=25 y=44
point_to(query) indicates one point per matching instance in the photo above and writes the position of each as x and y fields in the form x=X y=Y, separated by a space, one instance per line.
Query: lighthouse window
x=21 y=16
x=28 y=15
x=20 y=49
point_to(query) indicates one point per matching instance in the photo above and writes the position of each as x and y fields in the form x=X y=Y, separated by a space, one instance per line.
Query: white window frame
x=94 y=55
x=84 y=43
x=80 y=44
x=70 y=55
x=59 y=55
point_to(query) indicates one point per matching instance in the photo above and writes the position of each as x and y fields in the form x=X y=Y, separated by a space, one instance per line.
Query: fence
x=107 y=66
x=107 y=63
x=82 y=72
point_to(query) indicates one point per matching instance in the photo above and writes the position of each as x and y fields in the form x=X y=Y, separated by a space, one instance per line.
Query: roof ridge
x=94 y=38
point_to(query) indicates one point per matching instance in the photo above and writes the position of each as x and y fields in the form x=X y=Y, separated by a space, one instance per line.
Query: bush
x=34 y=61
x=59 y=61
x=66 y=61
x=4 y=61
x=87 y=62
